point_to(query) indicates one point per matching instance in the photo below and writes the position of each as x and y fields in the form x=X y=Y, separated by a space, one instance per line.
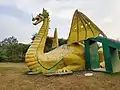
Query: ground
x=12 y=77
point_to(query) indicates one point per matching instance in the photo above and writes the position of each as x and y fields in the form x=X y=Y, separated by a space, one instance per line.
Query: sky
x=16 y=15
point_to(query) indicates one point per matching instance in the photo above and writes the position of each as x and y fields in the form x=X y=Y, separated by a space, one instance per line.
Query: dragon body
x=68 y=57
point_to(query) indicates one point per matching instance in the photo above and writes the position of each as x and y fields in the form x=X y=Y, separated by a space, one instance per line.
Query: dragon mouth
x=35 y=21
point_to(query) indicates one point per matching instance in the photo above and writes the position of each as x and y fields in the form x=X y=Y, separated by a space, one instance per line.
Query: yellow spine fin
x=55 y=43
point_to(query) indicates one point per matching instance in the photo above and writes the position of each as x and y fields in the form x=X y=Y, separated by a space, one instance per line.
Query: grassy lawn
x=12 y=78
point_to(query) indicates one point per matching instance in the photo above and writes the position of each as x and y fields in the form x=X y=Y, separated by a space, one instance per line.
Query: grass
x=12 y=77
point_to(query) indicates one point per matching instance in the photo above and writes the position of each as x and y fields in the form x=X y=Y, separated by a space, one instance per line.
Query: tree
x=62 y=41
x=3 y=55
x=9 y=41
x=33 y=36
x=12 y=51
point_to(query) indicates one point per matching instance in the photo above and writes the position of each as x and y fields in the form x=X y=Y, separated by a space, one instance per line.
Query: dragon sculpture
x=66 y=58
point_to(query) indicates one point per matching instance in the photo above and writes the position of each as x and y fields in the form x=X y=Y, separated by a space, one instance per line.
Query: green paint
x=115 y=60
x=95 y=62
x=110 y=51
x=107 y=58
x=91 y=55
x=87 y=55
x=52 y=65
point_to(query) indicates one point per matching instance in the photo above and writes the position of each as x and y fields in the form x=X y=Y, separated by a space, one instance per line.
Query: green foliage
x=8 y=41
x=62 y=41
x=3 y=55
x=12 y=51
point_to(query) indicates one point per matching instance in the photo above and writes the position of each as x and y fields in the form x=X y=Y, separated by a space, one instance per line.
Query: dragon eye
x=40 y=14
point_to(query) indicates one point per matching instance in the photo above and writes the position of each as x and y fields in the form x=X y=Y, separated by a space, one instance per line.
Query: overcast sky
x=15 y=16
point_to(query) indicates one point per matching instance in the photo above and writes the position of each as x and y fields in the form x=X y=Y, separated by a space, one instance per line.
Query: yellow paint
x=82 y=28
x=69 y=56
x=55 y=43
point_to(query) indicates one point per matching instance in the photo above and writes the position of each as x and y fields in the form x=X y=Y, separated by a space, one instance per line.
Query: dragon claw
x=64 y=70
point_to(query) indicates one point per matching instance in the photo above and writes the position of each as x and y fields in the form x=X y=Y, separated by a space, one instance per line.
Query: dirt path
x=12 y=78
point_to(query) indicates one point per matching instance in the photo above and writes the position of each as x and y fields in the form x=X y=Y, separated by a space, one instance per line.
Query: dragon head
x=40 y=17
